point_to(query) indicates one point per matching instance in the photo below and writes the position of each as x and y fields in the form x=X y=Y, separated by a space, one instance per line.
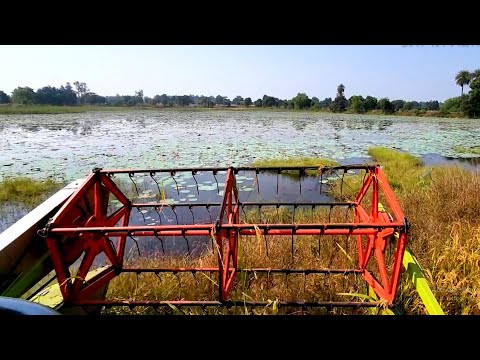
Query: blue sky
x=419 y=73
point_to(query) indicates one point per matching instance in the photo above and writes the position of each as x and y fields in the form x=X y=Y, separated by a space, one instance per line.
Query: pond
x=68 y=146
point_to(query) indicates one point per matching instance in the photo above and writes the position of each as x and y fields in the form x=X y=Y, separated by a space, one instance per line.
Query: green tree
x=315 y=103
x=398 y=104
x=219 y=100
x=357 y=104
x=301 y=101
x=340 y=103
x=386 y=106
x=248 y=102
x=451 y=105
x=237 y=100
x=268 y=101
x=472 y=104
x=370 y=103
x=82 y=89
x=258 y=103
x=463 y=78
x=94 y=99
x=4 y=98
x=408 y=105
x=139 y=96
x=23 y=95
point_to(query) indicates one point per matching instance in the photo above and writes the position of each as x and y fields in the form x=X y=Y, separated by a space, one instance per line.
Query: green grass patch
x=468 y=150
x=26 y=191
x=300 y=161
x=46 y=109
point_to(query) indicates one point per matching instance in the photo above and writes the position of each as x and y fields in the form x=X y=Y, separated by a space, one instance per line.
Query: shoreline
x=53 y=110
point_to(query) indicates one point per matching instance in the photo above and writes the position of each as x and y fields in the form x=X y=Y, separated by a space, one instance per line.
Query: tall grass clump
x=26 y=191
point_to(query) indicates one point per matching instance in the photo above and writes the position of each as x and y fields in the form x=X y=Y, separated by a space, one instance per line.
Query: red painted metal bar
x=241 y=168
x=363 y=191
x=112 y=187
x=123 y=239
x=259 y=270
x=63 y=274
x=397 y=265
x=231 y=303
x=74 y=198
x=375 y=195
x=390 y=196
x=97 y=282
x=266 y=227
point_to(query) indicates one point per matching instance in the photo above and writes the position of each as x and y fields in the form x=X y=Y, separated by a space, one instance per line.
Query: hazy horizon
x=411 y=73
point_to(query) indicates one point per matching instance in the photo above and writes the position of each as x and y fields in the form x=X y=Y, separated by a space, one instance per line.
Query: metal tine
x=161 y=240
x=131 y=175
x=346 y=212
x=301 y=173
x=346 y=248
x=268 y=280
x=193 y=216
x=188 y=245
x=172 y=175
x=278 y=173
x=196 y=183
x=319 y=242
x=244 y=213
x=321 y=180
x=152 y=175
x=215 y=172
x=195 y=278
x=294 y=209
x=173 y=209
x=292 y=247
x=266 y=243
x=136 y=243
x=158 y=213
x=213 y=245
x=343 y=181
x=256 y=178
x=209 y=213
x=143 y=216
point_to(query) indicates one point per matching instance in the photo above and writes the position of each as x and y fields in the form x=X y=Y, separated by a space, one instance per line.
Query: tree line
x=80 y=94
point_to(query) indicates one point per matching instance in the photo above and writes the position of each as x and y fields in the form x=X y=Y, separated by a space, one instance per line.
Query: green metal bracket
x=421 y=284
x=26 y=279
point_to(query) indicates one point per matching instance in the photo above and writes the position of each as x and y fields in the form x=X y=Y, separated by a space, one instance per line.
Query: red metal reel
x=90 y=229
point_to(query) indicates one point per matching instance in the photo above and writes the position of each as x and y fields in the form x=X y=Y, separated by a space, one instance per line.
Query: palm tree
x=463 y=78
x=340 y=90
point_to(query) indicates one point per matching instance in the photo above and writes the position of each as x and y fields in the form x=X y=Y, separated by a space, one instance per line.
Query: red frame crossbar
x=72 y=232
